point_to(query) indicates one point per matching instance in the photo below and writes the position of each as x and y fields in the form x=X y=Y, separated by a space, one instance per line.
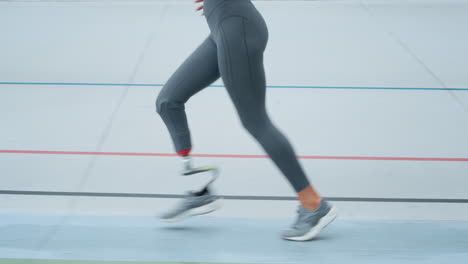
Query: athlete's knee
x=255 y=125
x=160 y=104
x=164 y=105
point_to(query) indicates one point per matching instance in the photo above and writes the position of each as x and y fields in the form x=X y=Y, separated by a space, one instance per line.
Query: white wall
x=402 y=44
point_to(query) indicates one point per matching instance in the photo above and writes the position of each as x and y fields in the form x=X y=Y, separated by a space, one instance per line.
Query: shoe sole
x=201 y=210
x=314 y=231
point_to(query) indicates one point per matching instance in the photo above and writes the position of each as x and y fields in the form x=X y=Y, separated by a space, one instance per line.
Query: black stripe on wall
x=233 y=197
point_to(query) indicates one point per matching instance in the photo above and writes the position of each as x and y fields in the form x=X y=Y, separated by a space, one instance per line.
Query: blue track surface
x=217 y=240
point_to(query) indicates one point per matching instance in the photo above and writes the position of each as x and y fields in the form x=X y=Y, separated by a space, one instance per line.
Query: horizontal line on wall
x=230 y=197
x=269 y=86
x=226 y=155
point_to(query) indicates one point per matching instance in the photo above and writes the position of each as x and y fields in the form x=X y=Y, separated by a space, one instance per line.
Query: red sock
x=184 y=153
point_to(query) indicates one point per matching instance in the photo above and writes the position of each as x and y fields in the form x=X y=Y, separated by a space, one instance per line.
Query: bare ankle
x=312 y=204
x=309 y=198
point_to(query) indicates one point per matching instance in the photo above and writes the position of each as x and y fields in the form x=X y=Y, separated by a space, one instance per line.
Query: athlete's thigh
x=198 y=71
x=240 y=59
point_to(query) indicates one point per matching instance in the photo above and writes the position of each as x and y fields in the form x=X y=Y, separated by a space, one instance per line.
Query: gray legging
x=234 y=51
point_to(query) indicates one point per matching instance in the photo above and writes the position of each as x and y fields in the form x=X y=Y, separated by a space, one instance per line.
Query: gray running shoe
x=309 y=223
x=192 y=205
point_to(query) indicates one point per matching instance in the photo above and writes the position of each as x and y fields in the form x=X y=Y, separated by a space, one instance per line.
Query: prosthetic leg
x=197 y=202
x=188 y=170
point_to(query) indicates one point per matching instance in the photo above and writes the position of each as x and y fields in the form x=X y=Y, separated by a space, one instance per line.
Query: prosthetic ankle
x=187 y=168
x=186 y=160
